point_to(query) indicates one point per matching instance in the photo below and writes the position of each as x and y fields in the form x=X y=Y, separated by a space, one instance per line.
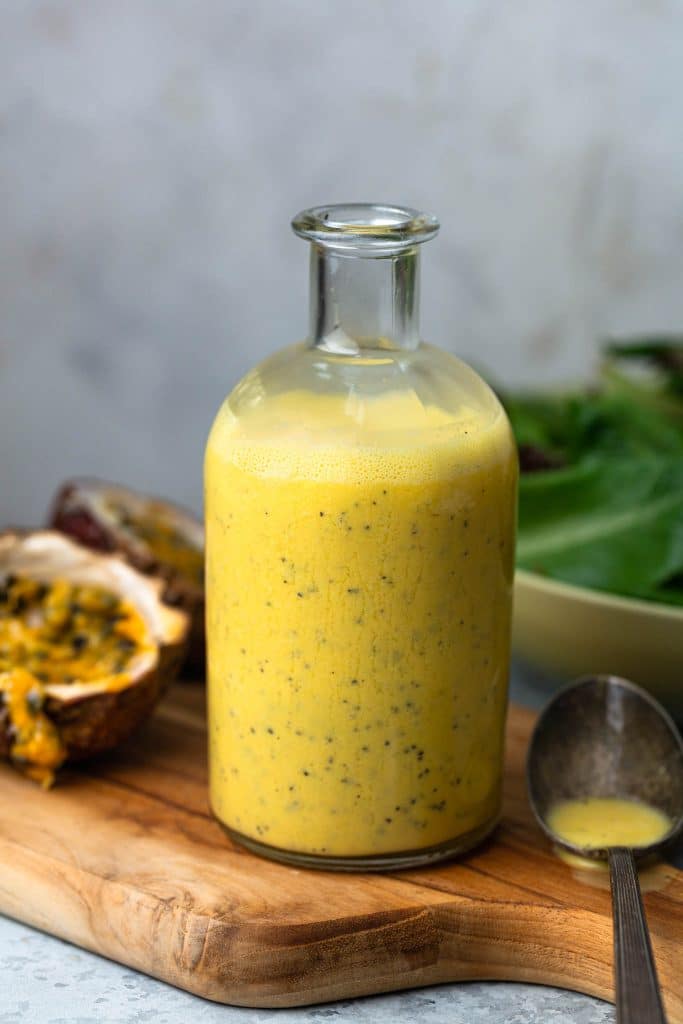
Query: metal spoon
x=605 y=737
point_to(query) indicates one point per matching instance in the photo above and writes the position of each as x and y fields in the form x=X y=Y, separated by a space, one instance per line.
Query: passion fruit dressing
x=358 y=619
x=598 y=822
x=59 y=632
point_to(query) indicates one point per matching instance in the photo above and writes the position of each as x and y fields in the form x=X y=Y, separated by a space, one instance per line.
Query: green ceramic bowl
x=568 y=631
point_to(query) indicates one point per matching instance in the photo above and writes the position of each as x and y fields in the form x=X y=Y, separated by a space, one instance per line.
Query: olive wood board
x=124 y=858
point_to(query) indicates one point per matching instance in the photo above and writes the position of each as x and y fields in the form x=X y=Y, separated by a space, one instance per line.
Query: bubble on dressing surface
x=393 y=437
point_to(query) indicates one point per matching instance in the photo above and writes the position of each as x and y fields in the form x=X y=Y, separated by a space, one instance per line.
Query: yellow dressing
x=358 y=600
x=597 y=822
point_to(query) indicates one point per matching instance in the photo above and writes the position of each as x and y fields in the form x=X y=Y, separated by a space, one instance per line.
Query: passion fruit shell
x=155 y=536
x=94 y=716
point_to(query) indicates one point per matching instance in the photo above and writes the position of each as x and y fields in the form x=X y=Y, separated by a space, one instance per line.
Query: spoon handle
x=638 y=996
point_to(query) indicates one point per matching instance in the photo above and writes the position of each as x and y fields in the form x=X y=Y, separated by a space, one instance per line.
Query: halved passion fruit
x=155 y=536
x=87 y=647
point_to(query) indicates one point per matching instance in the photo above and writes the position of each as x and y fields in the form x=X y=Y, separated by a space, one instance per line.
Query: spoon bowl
x=605 y=737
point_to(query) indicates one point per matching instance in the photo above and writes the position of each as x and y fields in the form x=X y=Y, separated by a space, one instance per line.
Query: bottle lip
x=365 y=229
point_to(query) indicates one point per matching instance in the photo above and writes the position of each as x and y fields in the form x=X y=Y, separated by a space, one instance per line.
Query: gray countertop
x=46 y=981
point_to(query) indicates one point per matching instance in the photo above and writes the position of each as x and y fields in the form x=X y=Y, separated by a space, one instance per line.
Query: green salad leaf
x=601 y=490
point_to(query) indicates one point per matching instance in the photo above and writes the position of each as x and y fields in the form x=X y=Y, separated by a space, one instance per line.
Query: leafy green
x=603 y=506
x=659 y=354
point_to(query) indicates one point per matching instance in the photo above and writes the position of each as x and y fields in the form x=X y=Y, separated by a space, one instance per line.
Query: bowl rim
x=602 y=598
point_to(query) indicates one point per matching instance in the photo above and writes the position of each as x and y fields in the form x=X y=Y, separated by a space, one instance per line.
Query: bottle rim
x=365 y=229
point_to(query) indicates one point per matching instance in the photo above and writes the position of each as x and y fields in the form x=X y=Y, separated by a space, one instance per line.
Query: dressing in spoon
x=605 y=778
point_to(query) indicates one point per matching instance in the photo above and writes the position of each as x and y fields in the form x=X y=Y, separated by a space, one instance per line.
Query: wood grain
x=124 y=858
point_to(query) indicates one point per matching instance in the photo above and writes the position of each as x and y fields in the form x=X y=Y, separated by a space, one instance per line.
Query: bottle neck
x=364 y=303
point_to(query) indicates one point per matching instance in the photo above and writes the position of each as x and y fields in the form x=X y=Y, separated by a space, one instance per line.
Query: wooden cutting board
x=123 y=858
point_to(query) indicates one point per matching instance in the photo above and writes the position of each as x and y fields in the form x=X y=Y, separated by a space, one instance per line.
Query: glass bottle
x=360 y=513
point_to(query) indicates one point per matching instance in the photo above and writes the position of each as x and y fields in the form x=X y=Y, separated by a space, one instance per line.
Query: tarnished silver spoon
x=605 y=737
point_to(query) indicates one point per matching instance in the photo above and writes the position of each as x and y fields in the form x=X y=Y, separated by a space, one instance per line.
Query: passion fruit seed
x=35 y=744
x=58 y=632
x=167 y=544
x=154 y=536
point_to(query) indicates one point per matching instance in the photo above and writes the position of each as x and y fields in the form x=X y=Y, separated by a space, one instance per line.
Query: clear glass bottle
x=360 y=514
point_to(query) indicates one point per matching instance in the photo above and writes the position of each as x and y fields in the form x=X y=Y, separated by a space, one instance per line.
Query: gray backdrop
x=153 y=153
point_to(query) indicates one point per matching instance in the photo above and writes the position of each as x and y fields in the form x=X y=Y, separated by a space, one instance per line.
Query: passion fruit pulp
x=155 y=536
x=87 y=646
